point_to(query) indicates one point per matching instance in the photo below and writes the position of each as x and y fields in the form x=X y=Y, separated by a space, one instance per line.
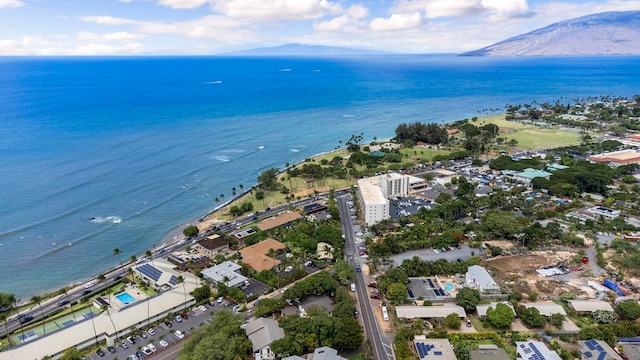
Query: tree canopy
x=222 y=339
x=468 y=298
x=500 y=317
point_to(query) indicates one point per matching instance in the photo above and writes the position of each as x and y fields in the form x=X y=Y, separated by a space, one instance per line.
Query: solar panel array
x=439 y=292
x=150 y=272
x=430 y=283
x=423 y=350
x=173 y=280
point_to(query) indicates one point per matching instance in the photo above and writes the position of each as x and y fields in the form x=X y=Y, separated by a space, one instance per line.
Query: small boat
x=261 y=147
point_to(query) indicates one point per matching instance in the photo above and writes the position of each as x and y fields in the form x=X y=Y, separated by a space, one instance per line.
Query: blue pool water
x=448 y=287
x=125 y=298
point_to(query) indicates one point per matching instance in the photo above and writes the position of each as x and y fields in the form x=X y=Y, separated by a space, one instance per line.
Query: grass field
x=531 y=137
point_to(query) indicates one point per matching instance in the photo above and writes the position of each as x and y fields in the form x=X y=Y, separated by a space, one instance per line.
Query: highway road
x=380 y=344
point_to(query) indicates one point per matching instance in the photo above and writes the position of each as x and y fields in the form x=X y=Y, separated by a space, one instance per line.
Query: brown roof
x=256 y=255
x=274 y=222
x=213 y=242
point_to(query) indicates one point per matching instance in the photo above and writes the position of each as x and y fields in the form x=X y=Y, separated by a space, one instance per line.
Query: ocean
x=100 y=153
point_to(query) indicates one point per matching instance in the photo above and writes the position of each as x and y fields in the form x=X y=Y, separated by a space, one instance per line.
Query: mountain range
x=608 y=33
x=304 y=50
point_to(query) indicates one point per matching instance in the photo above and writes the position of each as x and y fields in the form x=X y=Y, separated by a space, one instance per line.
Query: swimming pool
x=125 y=298
x=448 y=287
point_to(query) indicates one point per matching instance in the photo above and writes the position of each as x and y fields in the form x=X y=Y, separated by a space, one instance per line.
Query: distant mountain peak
x=295 y=49
x=608 y=33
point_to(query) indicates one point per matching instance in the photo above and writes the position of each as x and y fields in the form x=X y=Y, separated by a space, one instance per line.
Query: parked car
x=184 y=315
x=219 y=299
x=179 y=334
x=163 y=343
x=376 y=296
x=111 y=349
x=100 y=352
x=168 y=324
x=373 y=284
x=131 y=340
x=202 y=307
x=178 y=318
x=151 y=331
x=152 y=347
x=124 y=345
x=146 y=350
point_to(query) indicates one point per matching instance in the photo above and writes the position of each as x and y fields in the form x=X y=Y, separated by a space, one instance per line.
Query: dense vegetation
x=222 y=339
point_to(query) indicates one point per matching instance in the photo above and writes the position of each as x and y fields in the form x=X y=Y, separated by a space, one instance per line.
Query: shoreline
x=173 y=236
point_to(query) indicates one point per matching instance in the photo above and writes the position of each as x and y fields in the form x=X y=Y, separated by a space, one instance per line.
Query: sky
x=209 y=27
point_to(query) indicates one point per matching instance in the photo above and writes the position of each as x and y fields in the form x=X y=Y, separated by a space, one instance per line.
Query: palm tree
x=181 y=280
x=37 y=300
x=133 y=258
x=117 y=251
x=6 y=302
x=106 y=308
x=149 y=254
x=66 y=294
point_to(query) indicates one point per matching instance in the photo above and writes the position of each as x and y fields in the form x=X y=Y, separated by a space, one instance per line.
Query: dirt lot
x=519 y=273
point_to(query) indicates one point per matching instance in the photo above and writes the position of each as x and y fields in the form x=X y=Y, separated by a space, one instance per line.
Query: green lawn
x=355 y=357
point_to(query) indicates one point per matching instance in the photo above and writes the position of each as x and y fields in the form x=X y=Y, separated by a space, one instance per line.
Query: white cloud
x=357 y=11
x=397 y=22
x=182 y=4
x=11 y=3
x=447 y=8
x=105 y=49
x=208 y=27
x=116 y=36
x=106 y=20
x=340 y=23
x=276 y=9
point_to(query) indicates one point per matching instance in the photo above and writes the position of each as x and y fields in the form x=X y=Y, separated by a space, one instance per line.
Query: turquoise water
x=104 y=153
x=125 y=298
x=448 y=287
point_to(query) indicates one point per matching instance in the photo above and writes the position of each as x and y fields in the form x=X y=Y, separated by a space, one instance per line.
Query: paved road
x=381 y=347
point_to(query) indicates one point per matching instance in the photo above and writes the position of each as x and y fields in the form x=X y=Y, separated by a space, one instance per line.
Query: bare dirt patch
x=500 y=243
x=519 y=273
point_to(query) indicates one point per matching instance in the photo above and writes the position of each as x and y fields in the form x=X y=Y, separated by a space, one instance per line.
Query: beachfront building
x=479 y=278
x=160 y=274
x=257 y=257
x=212 y=245
x=277 y=221
x=374 y=194
x=108 y=325
x=227 y=273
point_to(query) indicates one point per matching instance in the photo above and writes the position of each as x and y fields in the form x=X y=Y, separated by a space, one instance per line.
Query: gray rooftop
x=480 y=276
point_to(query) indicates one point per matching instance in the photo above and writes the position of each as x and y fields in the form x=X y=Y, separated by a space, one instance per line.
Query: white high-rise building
x=374 y=193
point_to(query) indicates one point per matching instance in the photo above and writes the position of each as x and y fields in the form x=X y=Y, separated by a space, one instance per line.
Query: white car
x=163 y=343
x=146 y=350
x=179 y=334
x=151 y=331
x=436 y=251
x=152 y=347
x=219 y=299
x=201 y=307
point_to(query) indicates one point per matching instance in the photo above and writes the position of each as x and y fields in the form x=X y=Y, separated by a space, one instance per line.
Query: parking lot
x=163 y=332
x=428 y=255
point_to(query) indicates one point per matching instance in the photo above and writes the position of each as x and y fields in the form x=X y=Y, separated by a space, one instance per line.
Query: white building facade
x=374 y=193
